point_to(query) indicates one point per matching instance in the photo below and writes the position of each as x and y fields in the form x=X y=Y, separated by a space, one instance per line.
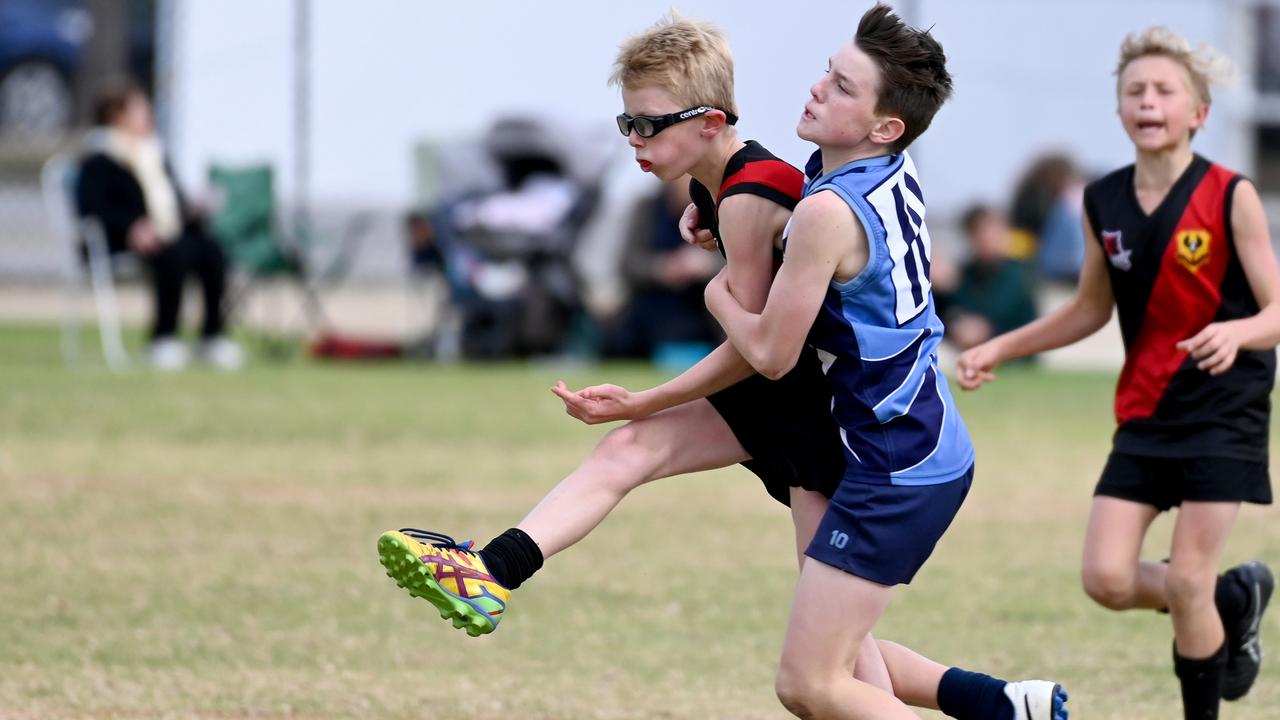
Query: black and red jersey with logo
x=1173 y=272
x=753 y=170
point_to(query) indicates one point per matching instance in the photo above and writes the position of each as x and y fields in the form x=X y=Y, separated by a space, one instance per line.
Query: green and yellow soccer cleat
x=450 y=576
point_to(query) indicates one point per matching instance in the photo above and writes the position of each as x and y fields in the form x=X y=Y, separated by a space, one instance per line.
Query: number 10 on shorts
x=839 y=539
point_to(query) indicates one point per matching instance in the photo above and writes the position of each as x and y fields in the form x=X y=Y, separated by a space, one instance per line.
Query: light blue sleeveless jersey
x=878 y=336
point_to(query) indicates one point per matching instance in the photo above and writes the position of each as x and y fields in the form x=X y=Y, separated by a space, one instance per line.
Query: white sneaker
x=1037 y=700
x=222 y=353
x=167 y=354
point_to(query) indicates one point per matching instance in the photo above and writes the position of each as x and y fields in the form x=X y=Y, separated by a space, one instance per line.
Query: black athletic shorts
x=1164 y=482
x=786 y=426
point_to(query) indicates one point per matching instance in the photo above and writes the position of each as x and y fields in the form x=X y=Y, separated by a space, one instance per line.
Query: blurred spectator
x=994 y=293
x=424 y=252
x=434 y=333
x=125 y=183
x=665 y=277
x=1046 y=217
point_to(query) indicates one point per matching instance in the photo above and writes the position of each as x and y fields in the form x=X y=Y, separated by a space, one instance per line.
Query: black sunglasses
x=646 y=126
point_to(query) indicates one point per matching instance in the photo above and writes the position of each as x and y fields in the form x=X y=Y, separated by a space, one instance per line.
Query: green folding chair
x=246 y=224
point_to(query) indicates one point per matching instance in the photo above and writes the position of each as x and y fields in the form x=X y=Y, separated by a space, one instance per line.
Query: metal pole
x=163 y=97
x=302 y=119
x=105 y=55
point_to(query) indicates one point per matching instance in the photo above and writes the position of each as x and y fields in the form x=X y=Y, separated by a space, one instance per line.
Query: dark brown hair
x=112 y=97
x=975 y=214
x=913 y=70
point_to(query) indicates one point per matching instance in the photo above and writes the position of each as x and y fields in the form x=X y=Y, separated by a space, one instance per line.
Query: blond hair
x=1205 y=66
x=687 y=58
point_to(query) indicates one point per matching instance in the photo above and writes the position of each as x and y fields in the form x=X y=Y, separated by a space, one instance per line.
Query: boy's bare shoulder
x=824 y=208
x=749 y=211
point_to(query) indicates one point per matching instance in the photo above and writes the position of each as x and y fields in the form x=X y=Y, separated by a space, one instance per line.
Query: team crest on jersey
x=1120 y=257
x=1193 y=248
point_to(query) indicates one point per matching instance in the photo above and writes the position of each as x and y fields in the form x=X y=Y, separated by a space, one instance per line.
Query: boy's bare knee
x=626 y=447
x=1111 y=588
x=794 y=694
x=1187 y=589
x=800 y=690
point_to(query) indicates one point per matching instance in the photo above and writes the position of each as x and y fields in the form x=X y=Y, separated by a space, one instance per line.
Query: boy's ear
x=713 y=123
x=887 y=130
x=1201 y=115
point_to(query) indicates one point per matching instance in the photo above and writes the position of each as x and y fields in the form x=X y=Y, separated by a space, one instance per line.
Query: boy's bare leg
x=1199 y=638
x=1199 y=537
x=683 y=439
x=807 y=509
x=915 y=677
x=911 y=677
x=472 y=587
x=871 y=668
x=1111 y=572
x=831 y=615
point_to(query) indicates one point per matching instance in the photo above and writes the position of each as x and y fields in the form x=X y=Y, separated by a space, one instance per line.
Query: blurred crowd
x=511 y=256
x=991 y=284
x=526 y=247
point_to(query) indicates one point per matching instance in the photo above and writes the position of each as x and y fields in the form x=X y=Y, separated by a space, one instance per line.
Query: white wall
x=1033 y=76
x=231 y=84
x=1029 y=75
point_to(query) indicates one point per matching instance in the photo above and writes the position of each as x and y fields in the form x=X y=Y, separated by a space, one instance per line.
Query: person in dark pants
x=126 y=184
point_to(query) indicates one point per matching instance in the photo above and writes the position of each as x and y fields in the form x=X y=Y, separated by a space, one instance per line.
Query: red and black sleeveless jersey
x=1173 y=272
x=754 y=170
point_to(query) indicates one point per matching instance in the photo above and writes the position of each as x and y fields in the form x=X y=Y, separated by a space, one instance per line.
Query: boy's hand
x=1215 y=347
x=600 y=403
x=975 y=366
x=693 y=234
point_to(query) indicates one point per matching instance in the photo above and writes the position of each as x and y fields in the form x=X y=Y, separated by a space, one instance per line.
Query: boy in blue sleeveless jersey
x=677 y=92
x=855 y=286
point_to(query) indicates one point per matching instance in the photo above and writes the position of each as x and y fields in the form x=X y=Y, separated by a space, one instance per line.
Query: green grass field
x=203 y=545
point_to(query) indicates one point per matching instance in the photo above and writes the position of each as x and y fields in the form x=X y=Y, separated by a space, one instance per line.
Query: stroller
x=507 y=245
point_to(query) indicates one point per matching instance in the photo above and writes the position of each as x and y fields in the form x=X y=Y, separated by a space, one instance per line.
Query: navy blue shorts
x=884 y=533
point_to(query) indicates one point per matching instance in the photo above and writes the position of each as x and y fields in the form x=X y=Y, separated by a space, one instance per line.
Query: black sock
x=1232 y=599
x=968 y=695
x=1201 y=683
x=512 y=558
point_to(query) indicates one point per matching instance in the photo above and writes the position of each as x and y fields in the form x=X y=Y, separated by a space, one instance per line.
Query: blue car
x=42 y=45
x=40 y=48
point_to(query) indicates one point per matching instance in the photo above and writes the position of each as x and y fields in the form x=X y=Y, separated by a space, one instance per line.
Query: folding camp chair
x=245 y=222
x=88 y=263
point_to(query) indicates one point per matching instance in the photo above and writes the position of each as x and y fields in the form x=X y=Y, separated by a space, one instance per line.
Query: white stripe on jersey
x=909 y=247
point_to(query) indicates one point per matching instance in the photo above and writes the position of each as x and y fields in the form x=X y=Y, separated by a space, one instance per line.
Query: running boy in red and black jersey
x=1181 y=247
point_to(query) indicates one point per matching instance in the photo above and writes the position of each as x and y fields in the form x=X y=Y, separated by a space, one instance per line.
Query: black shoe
x=1244 y=637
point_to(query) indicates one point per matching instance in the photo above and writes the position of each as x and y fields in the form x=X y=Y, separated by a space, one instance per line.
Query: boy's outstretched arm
x=608 y=403
x=824 y=236
x=748 y=226
x=1084 y=315
x=1215 y=346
